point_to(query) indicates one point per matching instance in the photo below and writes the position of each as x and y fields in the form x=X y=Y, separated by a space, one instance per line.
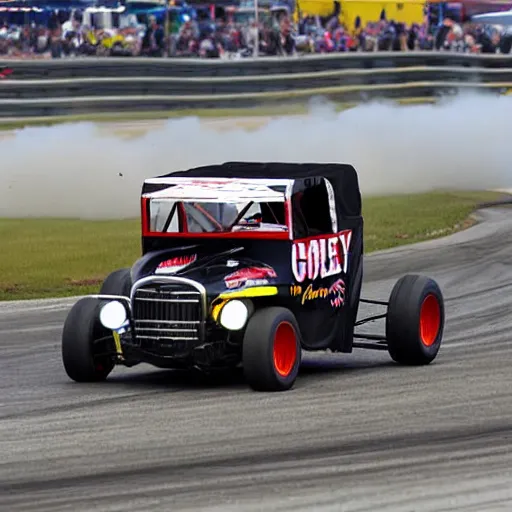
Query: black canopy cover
x=343 y=178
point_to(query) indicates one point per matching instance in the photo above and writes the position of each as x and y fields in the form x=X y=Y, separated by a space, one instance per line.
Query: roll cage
x=284 y=209
x=195 y=217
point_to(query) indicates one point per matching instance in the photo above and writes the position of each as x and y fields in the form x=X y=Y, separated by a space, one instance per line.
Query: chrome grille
x=167 y=316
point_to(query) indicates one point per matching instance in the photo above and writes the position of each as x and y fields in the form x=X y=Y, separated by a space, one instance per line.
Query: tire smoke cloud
x=77 y=170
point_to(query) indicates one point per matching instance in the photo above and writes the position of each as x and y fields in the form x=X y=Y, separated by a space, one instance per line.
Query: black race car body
x=230 y=254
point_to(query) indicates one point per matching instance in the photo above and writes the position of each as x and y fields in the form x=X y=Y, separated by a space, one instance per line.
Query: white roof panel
x=249 y=181
x=218 y=189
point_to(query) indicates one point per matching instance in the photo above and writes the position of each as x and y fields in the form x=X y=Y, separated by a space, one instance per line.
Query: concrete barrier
x=90 y=85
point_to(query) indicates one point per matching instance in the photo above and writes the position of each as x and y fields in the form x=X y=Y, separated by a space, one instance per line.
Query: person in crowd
x=153 y=42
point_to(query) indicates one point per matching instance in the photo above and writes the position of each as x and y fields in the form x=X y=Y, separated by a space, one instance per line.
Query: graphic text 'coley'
x=321 y=256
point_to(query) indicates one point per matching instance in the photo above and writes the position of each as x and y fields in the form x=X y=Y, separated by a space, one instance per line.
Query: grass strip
x=205 y=113
x=43 y=258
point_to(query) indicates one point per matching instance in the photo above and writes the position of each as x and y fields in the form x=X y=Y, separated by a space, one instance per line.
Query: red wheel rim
x=430 y=320
x=285 y=349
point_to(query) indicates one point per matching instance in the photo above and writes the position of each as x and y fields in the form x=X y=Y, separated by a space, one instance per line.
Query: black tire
x=81 y=328
x=118 y=282
x=261 y=367
x=415 y=320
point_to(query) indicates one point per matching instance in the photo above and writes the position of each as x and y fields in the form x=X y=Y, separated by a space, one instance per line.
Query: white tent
x=494 y=18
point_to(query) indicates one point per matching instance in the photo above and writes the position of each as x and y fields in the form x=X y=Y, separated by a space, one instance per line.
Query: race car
x=247 y=264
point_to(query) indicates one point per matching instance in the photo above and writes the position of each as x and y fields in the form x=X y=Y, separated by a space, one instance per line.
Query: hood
x=218 y=272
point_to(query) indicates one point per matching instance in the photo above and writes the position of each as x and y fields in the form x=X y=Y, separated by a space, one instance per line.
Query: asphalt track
x=356 y=433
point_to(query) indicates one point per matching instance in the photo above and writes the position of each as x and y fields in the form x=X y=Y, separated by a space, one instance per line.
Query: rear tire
x=118 y=282
x=415 y=320
x=271 y=350
x=81 y=357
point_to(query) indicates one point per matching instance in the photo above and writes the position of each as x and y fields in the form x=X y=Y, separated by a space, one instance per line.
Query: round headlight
x=113 y=315
x=234 y=315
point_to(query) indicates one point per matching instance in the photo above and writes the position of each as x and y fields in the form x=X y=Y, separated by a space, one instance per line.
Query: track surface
x=356 y=433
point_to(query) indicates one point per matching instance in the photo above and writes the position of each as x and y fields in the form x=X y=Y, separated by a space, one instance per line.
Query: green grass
x=54 y=257
x=50 y=258
x=392 y=221
x=116 y=117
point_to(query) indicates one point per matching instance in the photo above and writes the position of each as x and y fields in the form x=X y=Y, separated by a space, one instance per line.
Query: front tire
x=83 y=359
x=271 y=350
x=415 y=320
x=118 y=282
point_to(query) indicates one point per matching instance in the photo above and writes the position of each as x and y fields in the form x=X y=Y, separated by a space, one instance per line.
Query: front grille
x=167 y=317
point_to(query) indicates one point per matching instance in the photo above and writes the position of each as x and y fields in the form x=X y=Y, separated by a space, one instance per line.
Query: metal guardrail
x=90 y=85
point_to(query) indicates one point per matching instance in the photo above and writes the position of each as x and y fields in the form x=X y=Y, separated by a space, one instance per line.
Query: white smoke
x=74 y=170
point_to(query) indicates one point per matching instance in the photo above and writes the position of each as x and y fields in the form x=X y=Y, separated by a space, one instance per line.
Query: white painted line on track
x=53 y=327
x=37 y=304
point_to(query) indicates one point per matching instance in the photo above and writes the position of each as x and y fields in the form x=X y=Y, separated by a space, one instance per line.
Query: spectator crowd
x=227 y=39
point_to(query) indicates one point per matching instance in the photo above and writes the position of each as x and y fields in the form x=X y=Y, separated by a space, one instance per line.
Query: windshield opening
x=170 y=216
